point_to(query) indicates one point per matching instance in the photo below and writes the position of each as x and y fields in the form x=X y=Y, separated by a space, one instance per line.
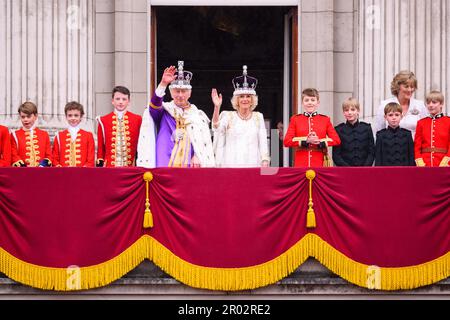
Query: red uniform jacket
x=108 y=132
x=28 y=150
x=432 y=141
x=5 y=147
x=307 y=155
x=78 y=153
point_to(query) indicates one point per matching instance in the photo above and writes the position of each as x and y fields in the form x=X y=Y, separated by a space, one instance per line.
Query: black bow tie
x=307 y=114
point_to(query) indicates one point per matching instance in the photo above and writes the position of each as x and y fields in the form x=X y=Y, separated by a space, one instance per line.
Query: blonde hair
x=28 y=107
x=235 y=105
x=392 y=107
x=435 y=96
x=350 y=102
x=403 y=77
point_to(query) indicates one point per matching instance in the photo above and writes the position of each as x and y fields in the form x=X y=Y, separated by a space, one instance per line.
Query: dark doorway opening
x=215 y=42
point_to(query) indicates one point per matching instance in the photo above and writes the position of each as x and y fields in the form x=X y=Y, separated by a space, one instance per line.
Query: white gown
x=240 y=143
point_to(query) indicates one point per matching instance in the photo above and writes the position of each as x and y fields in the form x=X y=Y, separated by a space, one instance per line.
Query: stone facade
x=52 y=52
x=120 y=52
x=398 y=35
x=55 y=51
x=46 y=56
x=328 y=52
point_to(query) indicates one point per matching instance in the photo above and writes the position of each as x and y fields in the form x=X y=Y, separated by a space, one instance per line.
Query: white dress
x=240 y=143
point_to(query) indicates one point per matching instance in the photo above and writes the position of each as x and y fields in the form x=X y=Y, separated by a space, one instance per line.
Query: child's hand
x=313 y=138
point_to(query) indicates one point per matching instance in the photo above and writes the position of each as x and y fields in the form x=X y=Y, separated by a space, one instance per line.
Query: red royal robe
x=107 y=133
x=30 y=150
x=78 y=153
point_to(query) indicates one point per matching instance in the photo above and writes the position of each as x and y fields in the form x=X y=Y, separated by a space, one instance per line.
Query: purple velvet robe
x=166 y=126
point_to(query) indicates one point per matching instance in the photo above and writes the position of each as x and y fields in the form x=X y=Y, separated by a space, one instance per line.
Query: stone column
x=327 y=52
x=121 y=52
x=46 y=50
x=399 y=35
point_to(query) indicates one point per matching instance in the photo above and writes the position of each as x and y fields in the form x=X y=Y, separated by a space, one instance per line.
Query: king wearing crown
x=184 y=138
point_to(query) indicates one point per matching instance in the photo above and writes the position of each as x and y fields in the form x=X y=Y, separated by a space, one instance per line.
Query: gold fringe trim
x=73 y=278
x=227 y=279
x=375 y=277
x=232 y=279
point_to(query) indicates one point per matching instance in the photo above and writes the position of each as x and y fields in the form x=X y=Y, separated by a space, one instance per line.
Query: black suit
x=394 y=147
x=357 y=145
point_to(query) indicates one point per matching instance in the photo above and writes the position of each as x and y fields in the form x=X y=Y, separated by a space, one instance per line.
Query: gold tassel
x=310 y=216
x=310 y=219
x=326 y=160
x=148 y=217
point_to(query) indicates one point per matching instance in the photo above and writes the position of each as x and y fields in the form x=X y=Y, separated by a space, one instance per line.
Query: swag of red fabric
x=224 y=218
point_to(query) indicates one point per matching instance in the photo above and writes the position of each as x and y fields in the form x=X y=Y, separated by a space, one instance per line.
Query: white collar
x=119 y=114
x=31 y=129
x=74 y=130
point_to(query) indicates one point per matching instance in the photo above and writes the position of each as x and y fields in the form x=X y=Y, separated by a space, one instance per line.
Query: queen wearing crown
x=184 y=138
x=240 y=136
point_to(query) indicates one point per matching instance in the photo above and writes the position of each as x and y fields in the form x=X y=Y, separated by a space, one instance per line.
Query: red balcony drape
x=226 y=229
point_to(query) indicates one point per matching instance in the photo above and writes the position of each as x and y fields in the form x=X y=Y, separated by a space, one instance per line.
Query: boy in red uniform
x=30 y=146
x=118 y=133
x=432 y=139
x=310 y=133
x=5 y=147
x=74 y=147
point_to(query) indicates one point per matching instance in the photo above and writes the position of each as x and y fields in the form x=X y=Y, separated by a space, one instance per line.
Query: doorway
x=215 y=42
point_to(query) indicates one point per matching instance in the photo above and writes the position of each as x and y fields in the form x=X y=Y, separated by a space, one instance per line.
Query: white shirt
x=416 y=111
x=120 y=114
x=73 y=133
x=31 y=130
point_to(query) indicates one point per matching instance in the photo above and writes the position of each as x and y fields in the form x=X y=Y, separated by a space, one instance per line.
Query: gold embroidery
x=119 y=147
x=32 y=142
x=182 y=147
x=72 y=153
